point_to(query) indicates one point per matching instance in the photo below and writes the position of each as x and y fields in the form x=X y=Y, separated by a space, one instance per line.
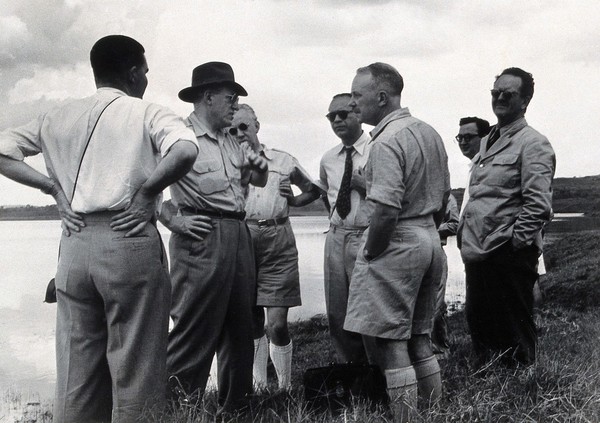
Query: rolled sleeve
x=537 y=170
x=387 y=175
x=18 y=143
x=166 y=128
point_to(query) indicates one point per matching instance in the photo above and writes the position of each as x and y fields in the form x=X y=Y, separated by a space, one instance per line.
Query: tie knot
x=349 y=149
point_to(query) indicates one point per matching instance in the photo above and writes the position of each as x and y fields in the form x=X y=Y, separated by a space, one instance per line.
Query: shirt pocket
x=210 y=175
x=504 y=171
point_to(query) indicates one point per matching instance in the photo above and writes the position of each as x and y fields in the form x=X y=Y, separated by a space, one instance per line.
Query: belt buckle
x=262 y=222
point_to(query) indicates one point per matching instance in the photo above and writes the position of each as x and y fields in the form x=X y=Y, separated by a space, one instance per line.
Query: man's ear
x=382 y=98
x=525 y=103
x=257 y=126
x=132 y=75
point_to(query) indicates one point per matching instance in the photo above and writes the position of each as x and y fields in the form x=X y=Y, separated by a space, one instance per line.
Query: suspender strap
x=86 y=146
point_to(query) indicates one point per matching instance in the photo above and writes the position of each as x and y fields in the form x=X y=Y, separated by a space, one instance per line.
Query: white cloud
x=54 y=84
x=293 y=56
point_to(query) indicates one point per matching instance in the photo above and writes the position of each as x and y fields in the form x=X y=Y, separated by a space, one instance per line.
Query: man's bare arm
x=22 y=173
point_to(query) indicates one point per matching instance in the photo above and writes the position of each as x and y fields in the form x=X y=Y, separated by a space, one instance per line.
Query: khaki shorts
x=393 y=295
x=278 y=280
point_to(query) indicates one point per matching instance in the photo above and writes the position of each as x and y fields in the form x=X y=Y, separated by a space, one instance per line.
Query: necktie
x=342 y=203
x=492 y=138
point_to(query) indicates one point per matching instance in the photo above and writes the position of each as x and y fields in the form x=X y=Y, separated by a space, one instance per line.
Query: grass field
x=563 y=386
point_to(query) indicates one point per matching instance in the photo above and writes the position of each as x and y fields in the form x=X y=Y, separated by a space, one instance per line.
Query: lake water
x=28 y=255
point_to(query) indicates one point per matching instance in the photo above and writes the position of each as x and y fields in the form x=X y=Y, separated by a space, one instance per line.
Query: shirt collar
x=395 y=115
x=266 y=152
x=359 y=145
x=201 y=128
x=513 y=126
x=110 y=90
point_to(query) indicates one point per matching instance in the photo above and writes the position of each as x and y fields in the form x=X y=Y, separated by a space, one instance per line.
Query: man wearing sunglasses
x=340 y=177
x=500 y=232
x=276 y=256
x=212 y=263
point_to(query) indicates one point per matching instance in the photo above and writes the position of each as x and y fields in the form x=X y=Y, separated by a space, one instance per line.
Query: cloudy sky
x=292 y=56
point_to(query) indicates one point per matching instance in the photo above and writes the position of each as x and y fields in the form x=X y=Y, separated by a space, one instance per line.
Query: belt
x=214 y=213
x=267 y=222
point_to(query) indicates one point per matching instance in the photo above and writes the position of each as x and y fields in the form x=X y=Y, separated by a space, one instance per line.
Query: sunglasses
x=343 y=114
x=465 y=137
x=507 y=94
x=234 y=131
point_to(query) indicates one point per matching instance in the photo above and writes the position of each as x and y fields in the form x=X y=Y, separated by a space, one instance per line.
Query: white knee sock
x=402 y=390
x=261 y=355
x=282 y=361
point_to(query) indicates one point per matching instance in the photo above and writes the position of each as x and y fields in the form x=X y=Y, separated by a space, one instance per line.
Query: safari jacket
x=510 y=193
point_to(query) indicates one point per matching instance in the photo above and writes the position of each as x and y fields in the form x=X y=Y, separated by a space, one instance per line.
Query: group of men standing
x=232 y=252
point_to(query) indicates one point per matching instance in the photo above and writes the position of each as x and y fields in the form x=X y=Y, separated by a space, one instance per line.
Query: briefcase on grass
x=336 y=386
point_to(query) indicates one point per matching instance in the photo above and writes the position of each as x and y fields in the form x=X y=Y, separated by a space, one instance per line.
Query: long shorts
x=276 y=255
x=393 y=295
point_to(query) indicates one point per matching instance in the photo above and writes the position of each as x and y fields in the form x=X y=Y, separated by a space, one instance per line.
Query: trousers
x=499 y=303
x=214 y=292
x=341 y=248
x=113 y=297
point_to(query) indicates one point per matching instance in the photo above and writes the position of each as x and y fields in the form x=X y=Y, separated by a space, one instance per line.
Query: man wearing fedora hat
x=212 y=263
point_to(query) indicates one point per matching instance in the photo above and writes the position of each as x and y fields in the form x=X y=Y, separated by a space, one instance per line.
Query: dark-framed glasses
x=465 y=137
x=234 y=130
x=343 y=114
x=505 y=93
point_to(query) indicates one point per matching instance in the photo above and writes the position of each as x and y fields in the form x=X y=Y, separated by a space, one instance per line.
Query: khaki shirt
x=330 y=178
x=510 y=192
x=267 y=202
x=219 y=178
x=408 y=166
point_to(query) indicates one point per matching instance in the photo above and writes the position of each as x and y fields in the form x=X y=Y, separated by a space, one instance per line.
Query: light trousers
x=113 y=297
x=341 y=248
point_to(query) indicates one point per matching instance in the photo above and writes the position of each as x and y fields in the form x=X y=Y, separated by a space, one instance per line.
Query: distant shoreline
x=570 y=195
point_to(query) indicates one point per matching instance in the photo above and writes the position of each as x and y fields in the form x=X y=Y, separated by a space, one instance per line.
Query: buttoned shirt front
x=127 y=143
x=408 y=166
x=267 y=202
x=330 y=179
x=220 y=176
x=510 y=192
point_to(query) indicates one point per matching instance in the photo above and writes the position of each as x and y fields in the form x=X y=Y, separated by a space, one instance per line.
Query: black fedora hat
x=211 y=73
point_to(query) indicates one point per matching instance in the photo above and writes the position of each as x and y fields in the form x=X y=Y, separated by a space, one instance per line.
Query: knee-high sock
x=429 y=379
x=282 y=361
x=261 y=355
x=402 y=390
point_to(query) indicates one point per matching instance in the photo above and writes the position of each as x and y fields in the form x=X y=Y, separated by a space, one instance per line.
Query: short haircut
x=483 y=126
x=113 y=55
x=526 y=80
x=249 y=110
x=385 y=76
x=341 y=95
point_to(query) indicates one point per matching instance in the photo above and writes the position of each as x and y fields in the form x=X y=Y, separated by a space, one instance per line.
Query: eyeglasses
x=234 y=131
x=231 y=98
x=507 y=94
x=343 y=114
x=465 y=137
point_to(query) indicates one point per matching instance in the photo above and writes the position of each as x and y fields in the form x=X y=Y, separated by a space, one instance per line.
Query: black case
x=336 y=386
